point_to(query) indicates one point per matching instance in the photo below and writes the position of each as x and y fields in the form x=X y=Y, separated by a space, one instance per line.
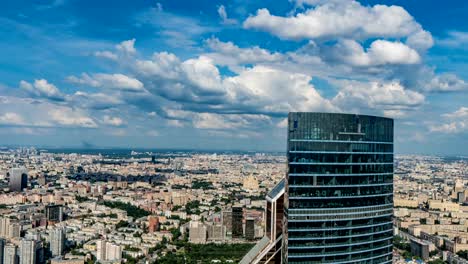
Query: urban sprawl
x=187 y=207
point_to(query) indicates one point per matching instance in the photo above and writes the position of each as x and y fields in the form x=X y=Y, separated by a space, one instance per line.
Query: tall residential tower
x=57 y=241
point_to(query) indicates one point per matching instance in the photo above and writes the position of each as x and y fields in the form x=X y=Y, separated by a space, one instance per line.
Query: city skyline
x=223 y=75
x=335 y=184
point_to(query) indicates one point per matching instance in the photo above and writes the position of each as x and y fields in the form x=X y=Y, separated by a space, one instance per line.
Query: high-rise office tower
x=237 y=216
x=57 y=241
x=27 y=252
x=54 y=213
x=18 y=179
x=250 y=229
x=2 y=248
x=339 y=189
x=40 y=254
x=9 y=255
x=268 y=249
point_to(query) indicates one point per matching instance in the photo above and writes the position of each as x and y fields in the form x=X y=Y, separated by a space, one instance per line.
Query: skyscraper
x=250 y=229
x=40 y=254
x=27 y=252
x=57 y=241
x=54 y=213
x=339 y=189
x=18 y=179
x=237 y=216
x=2 y=248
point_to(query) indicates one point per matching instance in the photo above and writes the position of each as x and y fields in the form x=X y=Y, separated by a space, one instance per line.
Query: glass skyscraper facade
x=339 y=189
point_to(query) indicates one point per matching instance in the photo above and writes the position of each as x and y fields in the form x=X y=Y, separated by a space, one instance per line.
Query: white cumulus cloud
x=106 y=54
x=11 y=118
x=109 y=81
x=342 y=19
x=42 y=113
x=224 y=17
x=227 y=53
x=112 y=121
x=359 y=96
x=380 y=52
x=456 y=122
x=446 y=83
x=127 y=47
x=41 y=88
x=71 y=117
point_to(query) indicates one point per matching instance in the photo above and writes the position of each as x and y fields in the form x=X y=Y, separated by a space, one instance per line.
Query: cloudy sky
x=212 y=74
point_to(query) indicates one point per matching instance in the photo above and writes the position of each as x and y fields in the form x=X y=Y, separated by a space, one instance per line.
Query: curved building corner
x=339 y=189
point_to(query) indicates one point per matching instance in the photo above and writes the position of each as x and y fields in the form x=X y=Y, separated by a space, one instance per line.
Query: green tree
x=463 y=254
x=131 y=210
x=121 y=223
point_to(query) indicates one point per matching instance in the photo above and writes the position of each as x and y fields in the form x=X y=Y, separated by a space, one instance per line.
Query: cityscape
x=191 y=207
x=250 y=132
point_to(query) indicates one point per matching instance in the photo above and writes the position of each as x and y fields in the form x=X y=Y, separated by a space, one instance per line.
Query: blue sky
x=224 y=74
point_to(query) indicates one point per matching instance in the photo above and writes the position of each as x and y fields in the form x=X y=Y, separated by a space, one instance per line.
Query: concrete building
x=113 y=252
x=18 y=179
x=226 y=218
x=100 y=250
x=4 y=227
x=405 y=203
x=453 y=258
x=106 y=251
x=216 y=232
x=10 y=255
x=9 y=228
x=153 y=224
x=444 y=206
x=461 y=197
x=57 y=241
x=27 y=252
x=67 y=261
x=420 y=248
x=197 y=232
